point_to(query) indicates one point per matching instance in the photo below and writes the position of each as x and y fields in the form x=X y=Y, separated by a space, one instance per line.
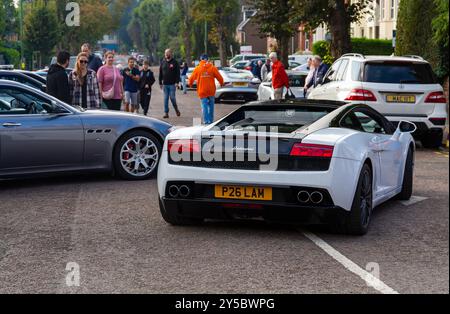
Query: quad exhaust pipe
x=315 y=197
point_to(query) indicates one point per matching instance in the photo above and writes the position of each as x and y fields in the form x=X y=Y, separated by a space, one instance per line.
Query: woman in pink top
x=111 y=83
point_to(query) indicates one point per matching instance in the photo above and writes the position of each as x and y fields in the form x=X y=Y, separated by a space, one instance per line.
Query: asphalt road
x=114 y=232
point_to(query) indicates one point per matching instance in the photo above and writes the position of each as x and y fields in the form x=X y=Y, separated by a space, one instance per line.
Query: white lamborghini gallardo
x=292 y=161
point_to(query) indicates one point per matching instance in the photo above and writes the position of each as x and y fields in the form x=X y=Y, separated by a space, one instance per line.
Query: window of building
x=382 y=8
x=392 y=9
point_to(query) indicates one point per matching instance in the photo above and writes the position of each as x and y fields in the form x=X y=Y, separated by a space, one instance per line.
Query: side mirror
x=407 y=127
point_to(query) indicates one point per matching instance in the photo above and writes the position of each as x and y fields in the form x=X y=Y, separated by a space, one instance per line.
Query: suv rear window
x=399 y=73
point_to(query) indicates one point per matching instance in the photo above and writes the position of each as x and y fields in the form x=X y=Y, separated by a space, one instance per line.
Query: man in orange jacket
x=205 y=74
x=280 y=78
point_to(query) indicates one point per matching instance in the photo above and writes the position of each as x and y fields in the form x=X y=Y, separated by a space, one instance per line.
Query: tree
x=440 y=36
x=41 y=29
x=96 y=19
x=337 y=15
x=222 y=17
x=277 y=21
x=146 y=18
x=414 y=30
x=8 y=18
x=185 y=8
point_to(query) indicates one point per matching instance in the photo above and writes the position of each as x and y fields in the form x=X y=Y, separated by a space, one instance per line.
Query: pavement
x=96 y=234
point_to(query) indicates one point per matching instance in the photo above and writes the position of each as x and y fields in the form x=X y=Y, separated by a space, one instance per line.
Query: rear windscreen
x=286 y=120
x=297 y=80
x=399 y=73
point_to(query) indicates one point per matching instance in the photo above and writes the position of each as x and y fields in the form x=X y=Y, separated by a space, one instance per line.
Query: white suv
x=401 y=88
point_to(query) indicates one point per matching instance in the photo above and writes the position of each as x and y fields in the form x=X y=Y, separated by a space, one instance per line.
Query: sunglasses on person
x=83 y=62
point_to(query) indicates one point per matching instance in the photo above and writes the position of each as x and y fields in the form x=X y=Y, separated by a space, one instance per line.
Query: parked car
x=44 y=72
x=301 y=59
x=72 y=61
x=34 y=75
x=239 y=85
x=40 y=134
x=246 y=57
x=240 y=65
x=401 y=88
x=188 y=74
x=23 y=79
x=332 y=163
x=296 y=83
x=301 y=68
x=293 y=64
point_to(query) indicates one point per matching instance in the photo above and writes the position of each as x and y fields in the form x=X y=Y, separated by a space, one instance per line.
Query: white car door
x=388 y=148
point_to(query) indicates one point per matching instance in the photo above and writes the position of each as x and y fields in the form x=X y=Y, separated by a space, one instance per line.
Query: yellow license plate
x=240 y=84
x=243 y=192
x=408 y=99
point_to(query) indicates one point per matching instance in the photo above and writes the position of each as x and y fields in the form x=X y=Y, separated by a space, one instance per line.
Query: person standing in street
x=257 y=69
x=111 y=83
x=57 y=80
x=205 y=74
x=94 y=61
x=131 y=82
x=83 y=85
x=280 y=78
x=265 y=70
x=184 y=70
x=320 y=70
x=169 y=78
x=146 y=82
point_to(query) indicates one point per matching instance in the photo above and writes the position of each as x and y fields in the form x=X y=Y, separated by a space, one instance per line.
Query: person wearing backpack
x=205 y=74
x=146 y=82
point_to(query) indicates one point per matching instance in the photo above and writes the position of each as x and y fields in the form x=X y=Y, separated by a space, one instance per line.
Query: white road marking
x=413 y=200
x=370 y=279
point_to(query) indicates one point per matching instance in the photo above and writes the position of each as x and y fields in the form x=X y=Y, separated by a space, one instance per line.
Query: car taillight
x=361 y=95
x=438 y=121
x=312 y=150
x=249 y=68
x=183 y=146
x=436 y=97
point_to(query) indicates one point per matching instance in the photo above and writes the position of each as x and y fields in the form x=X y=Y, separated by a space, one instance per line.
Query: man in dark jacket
x=94 y=62
x=57 y=80
x=169 y=78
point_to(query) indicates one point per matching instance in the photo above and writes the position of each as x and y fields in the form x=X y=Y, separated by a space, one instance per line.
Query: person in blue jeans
x=169 y=79
x=205 y=74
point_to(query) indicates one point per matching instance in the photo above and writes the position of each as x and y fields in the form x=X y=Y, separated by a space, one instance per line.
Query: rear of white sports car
x=222 y=172
x=276 y=162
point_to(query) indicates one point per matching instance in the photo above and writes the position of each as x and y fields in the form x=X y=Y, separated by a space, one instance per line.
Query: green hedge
x=376 y=47
x=359 y=45
x=10 y=55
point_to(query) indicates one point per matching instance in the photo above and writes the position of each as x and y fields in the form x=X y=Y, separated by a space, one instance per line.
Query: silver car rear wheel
x=137 y=155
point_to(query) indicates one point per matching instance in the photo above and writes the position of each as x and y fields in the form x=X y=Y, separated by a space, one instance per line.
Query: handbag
x=289 y=94
x=109 y=94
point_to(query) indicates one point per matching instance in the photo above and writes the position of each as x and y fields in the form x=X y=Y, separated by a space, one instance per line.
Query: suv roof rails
x=353 y=55
x=413 y=57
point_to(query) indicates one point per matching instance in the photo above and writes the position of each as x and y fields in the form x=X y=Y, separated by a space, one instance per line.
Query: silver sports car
x=39 y=134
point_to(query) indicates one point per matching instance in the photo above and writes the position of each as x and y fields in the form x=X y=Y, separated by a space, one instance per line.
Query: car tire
x=154 y=146
x=432 y=140
x=357 y=221
x=177 y=220
x=408 y=178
